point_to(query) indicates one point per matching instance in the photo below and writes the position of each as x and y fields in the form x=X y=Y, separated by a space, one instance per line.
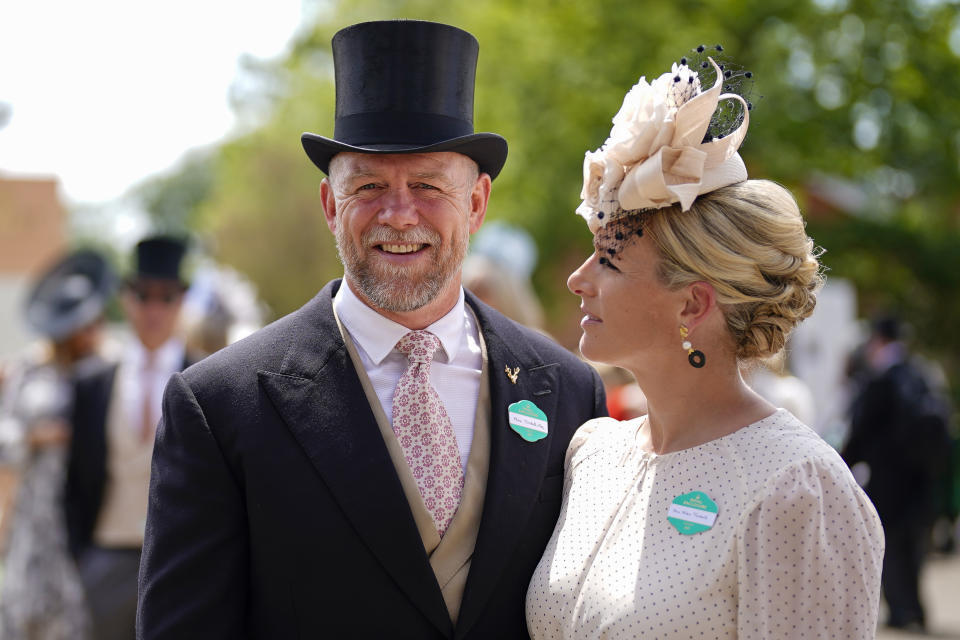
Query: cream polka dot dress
x=795 y=550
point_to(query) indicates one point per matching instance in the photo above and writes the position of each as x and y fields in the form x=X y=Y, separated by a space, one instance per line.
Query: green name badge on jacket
x=692 y=513
x=527 y=420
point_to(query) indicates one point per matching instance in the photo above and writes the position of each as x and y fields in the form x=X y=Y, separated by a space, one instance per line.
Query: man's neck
x=418 y=318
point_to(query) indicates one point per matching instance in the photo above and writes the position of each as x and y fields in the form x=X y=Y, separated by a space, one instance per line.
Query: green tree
x=172 y=200
x=856 y=111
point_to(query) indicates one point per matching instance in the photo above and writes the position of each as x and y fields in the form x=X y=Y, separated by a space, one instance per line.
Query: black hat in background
x=71 y=294
x=405 y=86
x=159 y=258
x=889 y=327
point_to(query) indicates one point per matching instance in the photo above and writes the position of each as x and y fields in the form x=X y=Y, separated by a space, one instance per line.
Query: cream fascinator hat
x=669 y=144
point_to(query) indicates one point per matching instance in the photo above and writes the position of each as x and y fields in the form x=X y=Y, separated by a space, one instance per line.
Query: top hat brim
x=488 y=150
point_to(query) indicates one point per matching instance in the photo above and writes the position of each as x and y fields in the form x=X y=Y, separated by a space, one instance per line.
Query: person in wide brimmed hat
x=318 y=456
x=41 y=595
x=115 y=416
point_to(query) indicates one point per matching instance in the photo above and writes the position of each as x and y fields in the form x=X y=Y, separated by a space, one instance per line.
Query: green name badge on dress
x=527 y=420
x=692 y=513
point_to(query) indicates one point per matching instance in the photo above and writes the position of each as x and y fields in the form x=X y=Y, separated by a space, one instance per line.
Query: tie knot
x=419 y=346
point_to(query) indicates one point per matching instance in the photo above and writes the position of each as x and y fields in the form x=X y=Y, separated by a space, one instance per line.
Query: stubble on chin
x=400 y=289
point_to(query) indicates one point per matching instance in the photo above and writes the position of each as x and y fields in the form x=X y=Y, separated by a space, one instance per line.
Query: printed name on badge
x=527 y=420
x=692 y=513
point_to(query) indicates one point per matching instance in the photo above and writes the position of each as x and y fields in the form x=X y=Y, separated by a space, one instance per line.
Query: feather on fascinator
x=660 y=151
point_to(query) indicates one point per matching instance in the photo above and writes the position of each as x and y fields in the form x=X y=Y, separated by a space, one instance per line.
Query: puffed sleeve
x=809 y=553
x=579 y=438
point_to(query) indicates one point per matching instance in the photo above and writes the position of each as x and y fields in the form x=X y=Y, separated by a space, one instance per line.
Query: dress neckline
x=642 y=420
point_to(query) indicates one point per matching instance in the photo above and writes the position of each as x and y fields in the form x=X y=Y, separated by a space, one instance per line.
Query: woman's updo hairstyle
x=749 y=241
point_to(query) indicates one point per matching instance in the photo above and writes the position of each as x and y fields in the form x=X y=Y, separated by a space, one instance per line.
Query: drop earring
x=694 y=356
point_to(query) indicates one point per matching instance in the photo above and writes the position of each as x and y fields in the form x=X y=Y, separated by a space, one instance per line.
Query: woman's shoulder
x=601 y=434
x=781 y=439
x=773 y=447
x=789 y=456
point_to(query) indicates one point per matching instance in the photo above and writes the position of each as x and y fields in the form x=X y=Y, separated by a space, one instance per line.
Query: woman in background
x=41 y=596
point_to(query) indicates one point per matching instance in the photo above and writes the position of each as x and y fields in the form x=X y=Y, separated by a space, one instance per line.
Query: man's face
x=402 y=223
x=152 y=307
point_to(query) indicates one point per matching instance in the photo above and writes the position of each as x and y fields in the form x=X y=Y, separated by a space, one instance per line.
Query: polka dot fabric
x=425 y=432
x=795 y=551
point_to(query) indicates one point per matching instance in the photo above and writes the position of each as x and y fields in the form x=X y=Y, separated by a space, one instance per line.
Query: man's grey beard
x=401 y=289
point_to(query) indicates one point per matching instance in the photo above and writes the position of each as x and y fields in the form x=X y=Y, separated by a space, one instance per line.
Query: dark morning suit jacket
x=87 y=466
x=276 y=512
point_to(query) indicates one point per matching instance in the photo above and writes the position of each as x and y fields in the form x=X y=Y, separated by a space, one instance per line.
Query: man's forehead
x=440 y=162
x=155 y=284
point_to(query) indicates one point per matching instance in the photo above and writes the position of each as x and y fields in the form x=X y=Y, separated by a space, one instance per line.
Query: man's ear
x=479 y=198
x=700 y=301
x=329 y=203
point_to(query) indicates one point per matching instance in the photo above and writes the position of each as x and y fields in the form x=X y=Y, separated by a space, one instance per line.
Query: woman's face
x=629 y=316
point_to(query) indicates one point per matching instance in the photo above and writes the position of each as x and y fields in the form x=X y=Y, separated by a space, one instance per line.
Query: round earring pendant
x=697 y=359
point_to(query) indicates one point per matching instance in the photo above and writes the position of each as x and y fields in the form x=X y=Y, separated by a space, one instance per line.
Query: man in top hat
x=900 y=428
x=115 y=413
x=387 y=461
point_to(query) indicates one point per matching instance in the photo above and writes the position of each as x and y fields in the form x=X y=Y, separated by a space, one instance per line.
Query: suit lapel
x=517 y=467
x=328 y=414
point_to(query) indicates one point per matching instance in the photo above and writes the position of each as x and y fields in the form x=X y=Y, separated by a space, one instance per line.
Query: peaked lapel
x=319 y=396
x=517 y=467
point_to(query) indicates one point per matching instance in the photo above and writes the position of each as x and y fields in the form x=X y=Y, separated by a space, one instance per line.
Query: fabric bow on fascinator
x=669 y=144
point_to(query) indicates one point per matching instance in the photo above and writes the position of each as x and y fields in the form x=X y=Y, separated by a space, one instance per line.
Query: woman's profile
x=716 y=515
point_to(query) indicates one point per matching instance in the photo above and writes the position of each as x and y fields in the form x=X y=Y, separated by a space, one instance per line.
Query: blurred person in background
x=115 y=413
x=899 y=445
x=716 y=515
x=498 y=269
x=41 y=596
x=220 y=308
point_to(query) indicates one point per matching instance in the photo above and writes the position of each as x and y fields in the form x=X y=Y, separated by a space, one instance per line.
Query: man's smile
x=401 y=248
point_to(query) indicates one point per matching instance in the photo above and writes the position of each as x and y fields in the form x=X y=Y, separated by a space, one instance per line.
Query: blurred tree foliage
x=172 y=200
x=857 y=110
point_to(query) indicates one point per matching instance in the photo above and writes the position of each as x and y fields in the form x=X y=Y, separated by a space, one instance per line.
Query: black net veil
x=625 y=225
x=729 y=114
x=620 y=232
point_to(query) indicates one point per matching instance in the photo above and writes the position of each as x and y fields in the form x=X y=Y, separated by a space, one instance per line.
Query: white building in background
x=819 y=350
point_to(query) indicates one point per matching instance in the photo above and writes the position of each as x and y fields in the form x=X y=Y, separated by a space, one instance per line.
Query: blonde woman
x=716 y=515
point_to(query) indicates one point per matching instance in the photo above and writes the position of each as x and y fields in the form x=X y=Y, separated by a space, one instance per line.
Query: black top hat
x=159 y=258
x=405 y=86
x=71 y=294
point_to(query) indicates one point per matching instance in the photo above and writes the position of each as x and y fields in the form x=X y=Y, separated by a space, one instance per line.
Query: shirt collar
x=168 y=357
x=378 y=335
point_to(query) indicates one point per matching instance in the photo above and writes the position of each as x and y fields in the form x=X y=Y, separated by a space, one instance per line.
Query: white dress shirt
x=123 y=515
x=134 y=375
x=454 y=373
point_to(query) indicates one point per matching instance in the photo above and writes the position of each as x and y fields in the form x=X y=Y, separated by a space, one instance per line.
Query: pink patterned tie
x=425 y=432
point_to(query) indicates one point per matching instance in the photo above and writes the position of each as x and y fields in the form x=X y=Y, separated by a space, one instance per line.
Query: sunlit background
x=122 y=118
x=186 y=117
x=103 y=94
